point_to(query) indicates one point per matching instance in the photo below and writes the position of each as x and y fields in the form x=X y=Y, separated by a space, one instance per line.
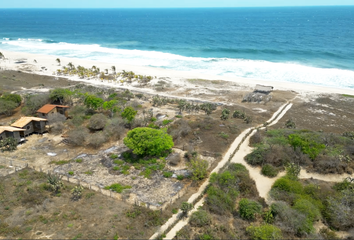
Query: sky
x=165 y=3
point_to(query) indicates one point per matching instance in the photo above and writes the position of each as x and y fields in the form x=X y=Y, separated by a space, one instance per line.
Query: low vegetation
x=315 y=151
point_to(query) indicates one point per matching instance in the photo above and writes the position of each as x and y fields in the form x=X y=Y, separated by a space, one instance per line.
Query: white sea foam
x=286 y=71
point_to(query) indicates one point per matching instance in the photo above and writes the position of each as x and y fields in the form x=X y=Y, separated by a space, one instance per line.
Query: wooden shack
x=8 y=132
x=263 y=89
x=31 y=125
x=49 y=109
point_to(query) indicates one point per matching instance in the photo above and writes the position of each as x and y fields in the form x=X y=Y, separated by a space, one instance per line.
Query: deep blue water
x=299 y=44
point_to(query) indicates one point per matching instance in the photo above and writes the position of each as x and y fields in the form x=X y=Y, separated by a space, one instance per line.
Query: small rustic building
x=49 y=109
x=7 y=132
x=31 y=125
x=263 y=89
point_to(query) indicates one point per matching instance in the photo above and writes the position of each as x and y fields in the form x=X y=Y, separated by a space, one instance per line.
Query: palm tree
x=106 y=71
x=58 y=61
x=113 y=69
x=71 y=65
x=1 y=55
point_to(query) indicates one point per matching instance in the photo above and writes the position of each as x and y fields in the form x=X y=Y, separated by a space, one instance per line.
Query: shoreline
x=177 y=77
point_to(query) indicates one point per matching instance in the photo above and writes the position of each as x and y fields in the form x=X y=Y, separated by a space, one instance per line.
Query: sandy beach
x=47 y=65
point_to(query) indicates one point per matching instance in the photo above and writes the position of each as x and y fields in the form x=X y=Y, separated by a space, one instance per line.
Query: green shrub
x=220 y=201
x=175 y=210
x=269 y=171
x=133 y=213
x=306 y=207
x=249 y=208
x=237 y=167
x=167 y=174
x=293 y=221
x=79 y=160
x=199 y=168
x=180 y=177
x=8 y=144
x=147 y=141
x=200 y=218
x=178 y=116
x=288 y=185
x=118 y=162
x=307 y=146
x=113 y=156
x=264 y=232
x=117 y=187
x=186 y=207
x=256 y=158
x=71 y=173
x=88 y=172
x=165 y=122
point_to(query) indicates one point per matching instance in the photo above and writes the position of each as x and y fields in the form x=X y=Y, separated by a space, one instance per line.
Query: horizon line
x=352 y=5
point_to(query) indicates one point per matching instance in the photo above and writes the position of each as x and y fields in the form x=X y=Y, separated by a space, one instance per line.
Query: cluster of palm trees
x=96 y=73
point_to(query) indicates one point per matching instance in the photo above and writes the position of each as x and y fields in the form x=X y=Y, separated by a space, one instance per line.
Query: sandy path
x=238 y=157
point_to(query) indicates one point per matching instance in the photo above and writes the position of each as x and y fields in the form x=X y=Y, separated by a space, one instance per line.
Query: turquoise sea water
x=313 y=45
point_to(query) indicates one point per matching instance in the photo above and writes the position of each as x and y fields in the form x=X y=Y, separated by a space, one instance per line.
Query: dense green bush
x=148 y=141
x=199 y=168
x=7 y=107
x=249 y=208
x=306 y=207
x=264 y=232
x=269 y=171
x=220 y=201
x=288 y=185
x=200 y=218
x=290 y=220
x=129 y=114
x=307 y=146
x=256 y=157
x=12 y=97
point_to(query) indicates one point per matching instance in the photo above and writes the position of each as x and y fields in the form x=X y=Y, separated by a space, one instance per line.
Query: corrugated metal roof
x=49 y=107
x=10 y=129
x=23 y=121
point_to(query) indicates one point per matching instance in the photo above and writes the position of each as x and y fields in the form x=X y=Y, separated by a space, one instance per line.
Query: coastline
x=49 y=63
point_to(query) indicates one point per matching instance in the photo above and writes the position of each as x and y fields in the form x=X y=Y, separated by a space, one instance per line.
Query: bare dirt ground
x=328 y=113
x=29 y=210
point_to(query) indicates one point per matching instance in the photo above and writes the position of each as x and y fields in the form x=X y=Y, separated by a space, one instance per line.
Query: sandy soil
x=47 y=65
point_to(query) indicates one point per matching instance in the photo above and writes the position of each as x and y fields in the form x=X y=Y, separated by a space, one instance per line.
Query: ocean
x=311 y=45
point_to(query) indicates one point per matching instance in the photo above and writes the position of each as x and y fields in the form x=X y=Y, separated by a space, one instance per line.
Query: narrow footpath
x=240 y=142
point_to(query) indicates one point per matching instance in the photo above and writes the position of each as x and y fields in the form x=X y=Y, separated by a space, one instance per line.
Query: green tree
x=129 y=114
x=8 y=144
x=111 y=106
x=248 y=209
x=199 y=168
x=93 y=102
x=225 y=114
x=148 y=141
x=186 y=207
x=264 y=232
x=60 y=95
x=58 y=61
x=7 y=107
x=12 y=97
